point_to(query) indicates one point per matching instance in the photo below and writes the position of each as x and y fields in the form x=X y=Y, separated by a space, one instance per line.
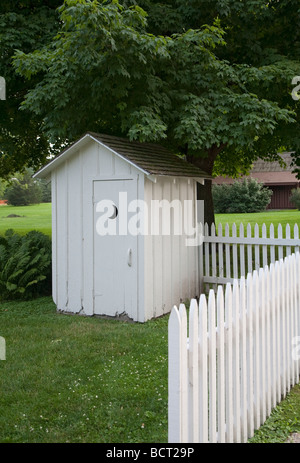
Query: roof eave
x=54 y=163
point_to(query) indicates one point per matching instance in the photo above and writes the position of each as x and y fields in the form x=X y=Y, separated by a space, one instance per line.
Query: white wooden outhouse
x=121 y=243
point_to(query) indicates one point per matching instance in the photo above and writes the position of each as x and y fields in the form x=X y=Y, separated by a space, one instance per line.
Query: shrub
x=243 y=196
x=23 y=190
x=25 y=265
x=295 y=197
x=46 y=191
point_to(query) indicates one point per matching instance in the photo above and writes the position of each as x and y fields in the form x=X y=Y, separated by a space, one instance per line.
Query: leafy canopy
x=203 y=78
x=25 y=25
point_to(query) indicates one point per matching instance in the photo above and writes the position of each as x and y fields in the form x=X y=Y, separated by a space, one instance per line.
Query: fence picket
x=193 y=373
x=212 y=368
x=233 y=360
x=228 y=365
x=227 y=253
x=257 y=256
x=236 y=361
x=296 y=237
x=262 y=344
x=288 y=321
x=220 y=252
x=267 y=340
x=283 y=327
x=297 y=316
x=243 y=362
x=203 y=373
x=279 y=235
x=213 y=252
x=273 y=321
x=272 y=247
x=234 y=252
x=242 y=253
x=288 y=236
x=293 y=311
x=184 y=374
x=278 y=340
x=221 y=365
x=257 y=351
x=174 y=386
x=264 y=247
x=249 y=351
x=207 y=253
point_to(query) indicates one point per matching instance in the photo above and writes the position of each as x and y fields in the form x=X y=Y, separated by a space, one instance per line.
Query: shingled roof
x=151 y=158
x=273 y=166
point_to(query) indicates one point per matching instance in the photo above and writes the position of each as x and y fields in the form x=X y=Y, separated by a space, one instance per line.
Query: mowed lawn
x=38 y=217
x=69 y=378
x=282 y=217
x=35 y=217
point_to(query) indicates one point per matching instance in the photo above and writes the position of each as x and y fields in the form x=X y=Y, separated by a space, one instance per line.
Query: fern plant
x=25 y=265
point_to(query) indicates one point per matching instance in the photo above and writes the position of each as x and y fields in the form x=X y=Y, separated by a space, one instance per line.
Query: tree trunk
x=204 y=192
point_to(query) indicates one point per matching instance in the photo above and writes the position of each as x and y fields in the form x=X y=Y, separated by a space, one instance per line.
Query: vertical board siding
x=54 y=237
x=61 y=239
x=232 y=360
x=74 y=242
x=171 y=267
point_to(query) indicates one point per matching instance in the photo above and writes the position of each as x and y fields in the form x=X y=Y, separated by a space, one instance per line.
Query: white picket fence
x=228 y=254
x=239 y=359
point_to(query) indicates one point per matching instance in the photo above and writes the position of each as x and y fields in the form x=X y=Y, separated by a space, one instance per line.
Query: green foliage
x=25 y=265
x=295 y=197
x=3 y=186
x=107 y=71
x=23 y=190
x=24 y=25
x=210 y=79
x=243 y=196
x=46 y=190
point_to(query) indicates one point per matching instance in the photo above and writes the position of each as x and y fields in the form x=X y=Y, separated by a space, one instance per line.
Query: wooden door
x=115 y=250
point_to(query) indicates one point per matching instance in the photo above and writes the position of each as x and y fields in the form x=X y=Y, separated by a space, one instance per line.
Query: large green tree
x=24 y=25
x=209 y=79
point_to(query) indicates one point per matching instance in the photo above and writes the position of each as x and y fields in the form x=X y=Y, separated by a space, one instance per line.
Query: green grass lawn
x=38 y=217
x=70 y=378
x=35 y=217
x=282 y=217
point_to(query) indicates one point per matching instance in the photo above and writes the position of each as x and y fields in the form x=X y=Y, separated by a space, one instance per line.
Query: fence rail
x=235 y=357
x=226 y=255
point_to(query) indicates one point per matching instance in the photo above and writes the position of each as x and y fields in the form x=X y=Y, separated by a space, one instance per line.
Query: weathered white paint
x=171 y=267
x=241 y=358
x=91 y=274
x=115 y=257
